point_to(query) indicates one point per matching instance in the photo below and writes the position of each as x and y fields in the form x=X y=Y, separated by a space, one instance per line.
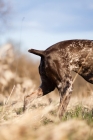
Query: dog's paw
x=27 y=101
x=29 y=98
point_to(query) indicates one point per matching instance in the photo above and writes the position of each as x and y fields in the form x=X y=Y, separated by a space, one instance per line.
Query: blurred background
x=26 y=24
x=38 y=24
x=43 y=23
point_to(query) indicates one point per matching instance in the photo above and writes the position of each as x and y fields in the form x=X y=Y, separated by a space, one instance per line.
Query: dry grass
x=18 y=77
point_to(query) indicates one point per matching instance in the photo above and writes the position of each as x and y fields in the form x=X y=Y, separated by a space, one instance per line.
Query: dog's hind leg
x=44 y=89
x=65 y=94
x=29 y=98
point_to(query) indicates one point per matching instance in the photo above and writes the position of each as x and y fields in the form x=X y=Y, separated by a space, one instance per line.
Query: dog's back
x=79 y=54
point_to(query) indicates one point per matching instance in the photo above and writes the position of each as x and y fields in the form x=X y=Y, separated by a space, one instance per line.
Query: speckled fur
x=56 y=65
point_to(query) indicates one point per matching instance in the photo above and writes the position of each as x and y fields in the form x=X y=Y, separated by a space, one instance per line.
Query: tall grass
x=19 y=77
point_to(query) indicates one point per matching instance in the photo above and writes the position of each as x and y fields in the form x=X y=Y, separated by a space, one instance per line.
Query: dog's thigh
x=58 y=70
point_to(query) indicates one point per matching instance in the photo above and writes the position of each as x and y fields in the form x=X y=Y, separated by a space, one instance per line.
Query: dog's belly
x=86 y=73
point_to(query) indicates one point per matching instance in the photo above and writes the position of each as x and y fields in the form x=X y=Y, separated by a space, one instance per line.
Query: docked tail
x=37 y=52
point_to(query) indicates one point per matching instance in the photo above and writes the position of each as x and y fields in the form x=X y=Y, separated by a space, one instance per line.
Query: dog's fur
x=56 y=65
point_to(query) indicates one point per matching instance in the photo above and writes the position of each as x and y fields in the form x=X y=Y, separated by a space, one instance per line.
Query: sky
x=40 y=23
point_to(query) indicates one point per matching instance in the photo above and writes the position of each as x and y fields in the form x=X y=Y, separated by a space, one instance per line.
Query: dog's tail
x=37 y=52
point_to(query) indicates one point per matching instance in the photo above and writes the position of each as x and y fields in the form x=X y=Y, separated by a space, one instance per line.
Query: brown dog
x=56 y=65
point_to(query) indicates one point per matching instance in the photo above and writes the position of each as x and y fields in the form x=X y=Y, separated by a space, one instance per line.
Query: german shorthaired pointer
x=56 y=65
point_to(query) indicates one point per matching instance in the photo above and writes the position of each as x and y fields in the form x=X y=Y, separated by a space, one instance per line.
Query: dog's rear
x=37 y=52
x=56 y=65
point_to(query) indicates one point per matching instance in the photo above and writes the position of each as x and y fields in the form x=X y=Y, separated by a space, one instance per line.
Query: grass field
x=19 y=77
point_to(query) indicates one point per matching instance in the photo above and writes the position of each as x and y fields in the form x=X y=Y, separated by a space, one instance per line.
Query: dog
x=56 y=65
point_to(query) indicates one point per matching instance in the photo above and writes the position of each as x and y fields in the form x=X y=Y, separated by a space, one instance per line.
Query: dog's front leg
x=65 y=94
